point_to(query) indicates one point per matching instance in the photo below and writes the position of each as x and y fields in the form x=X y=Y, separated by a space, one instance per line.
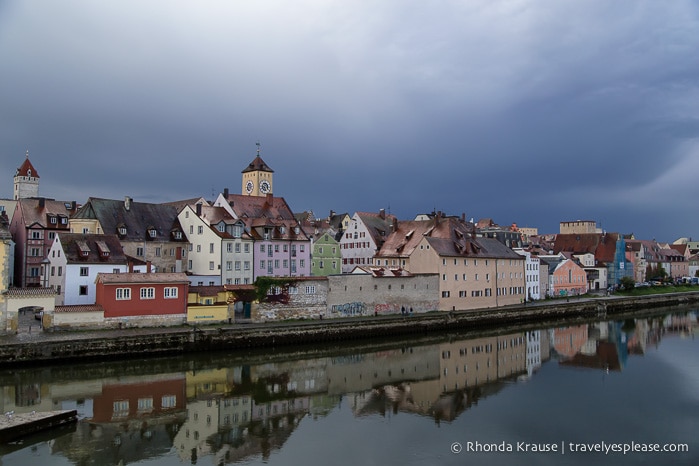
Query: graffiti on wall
x=350 y=309
x=387 y=309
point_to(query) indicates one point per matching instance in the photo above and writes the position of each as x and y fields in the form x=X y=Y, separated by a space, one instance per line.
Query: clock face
x=249 y=186
x=265 y=186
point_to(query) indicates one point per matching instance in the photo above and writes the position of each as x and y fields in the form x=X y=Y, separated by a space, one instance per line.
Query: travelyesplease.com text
x=564 y=447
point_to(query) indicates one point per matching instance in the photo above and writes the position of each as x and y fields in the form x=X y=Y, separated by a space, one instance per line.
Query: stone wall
x=364 y=294
x=307 y=300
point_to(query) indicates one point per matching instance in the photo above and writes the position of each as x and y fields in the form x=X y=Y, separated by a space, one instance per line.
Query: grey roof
x=137 y=218
x=92 y=249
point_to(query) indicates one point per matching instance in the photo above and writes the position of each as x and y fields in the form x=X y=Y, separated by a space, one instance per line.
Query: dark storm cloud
x=523 y=111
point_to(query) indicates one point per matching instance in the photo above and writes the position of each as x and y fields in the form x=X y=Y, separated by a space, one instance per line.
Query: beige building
x=473 y=272
x=579 y=227
x=148 y=232
x=469 y=363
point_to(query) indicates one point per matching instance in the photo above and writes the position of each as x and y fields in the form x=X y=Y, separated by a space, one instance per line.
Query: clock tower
x=257 y=177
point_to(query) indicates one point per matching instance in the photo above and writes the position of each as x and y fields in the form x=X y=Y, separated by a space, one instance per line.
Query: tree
x=627 y=283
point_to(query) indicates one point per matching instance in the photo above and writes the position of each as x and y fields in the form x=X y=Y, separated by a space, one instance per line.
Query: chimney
x=127 y=203
x=148 y=267
x=130 y=265
x=42 y=202
x=198 y=206
x=394 y=224
x=382 y=213
x=225 y=193
x=268 y=199
x=463 y=217
x=332 y=214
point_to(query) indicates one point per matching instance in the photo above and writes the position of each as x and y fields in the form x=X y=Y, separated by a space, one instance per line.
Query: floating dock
x=14 y=426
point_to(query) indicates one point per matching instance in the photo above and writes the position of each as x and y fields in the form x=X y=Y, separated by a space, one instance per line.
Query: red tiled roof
x=161 y=277
x=79 y=308
x=24 y=169
x=33 y=291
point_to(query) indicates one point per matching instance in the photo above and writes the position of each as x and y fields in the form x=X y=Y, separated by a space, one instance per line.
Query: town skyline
x=524 y=112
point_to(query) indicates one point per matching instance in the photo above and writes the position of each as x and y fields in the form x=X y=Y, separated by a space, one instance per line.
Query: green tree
x=627 y=283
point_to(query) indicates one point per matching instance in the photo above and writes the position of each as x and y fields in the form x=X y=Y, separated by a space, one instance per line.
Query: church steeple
x=257 y=177
x=26 y=180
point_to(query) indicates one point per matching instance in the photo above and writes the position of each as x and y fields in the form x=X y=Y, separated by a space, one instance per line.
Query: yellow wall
x=214 y=313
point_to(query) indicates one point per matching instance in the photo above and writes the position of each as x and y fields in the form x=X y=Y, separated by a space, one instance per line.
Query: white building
x=532 y=269
x=76 y=259
x=220 y=251
x=363 y=238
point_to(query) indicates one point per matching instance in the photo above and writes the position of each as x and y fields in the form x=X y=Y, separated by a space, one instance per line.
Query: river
x=609 y=392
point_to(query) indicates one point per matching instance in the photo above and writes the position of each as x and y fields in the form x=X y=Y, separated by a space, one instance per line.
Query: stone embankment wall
x=96 y=345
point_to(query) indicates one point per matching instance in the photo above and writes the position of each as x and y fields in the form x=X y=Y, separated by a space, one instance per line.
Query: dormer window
x=152 y=232
x=53 y=220
x=282 y=230
x=122 y=230
x=237 y=231
x=296 y=230
x=178 y=235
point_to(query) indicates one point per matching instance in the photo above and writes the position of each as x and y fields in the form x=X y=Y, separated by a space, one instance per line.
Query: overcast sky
x=525 y=111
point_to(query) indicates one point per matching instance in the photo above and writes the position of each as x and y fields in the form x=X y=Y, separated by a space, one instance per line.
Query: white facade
x=357 y=246
x=204 y=257
x=75 y=282
x=533 y=351
x=532 y=271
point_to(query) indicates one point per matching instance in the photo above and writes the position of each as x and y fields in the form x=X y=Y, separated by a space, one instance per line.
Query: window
x=170 y=292
x=84 y=271
x=145 y=404
x=123 y=293
x=247 y=248
x=198 y=247
x=60 y=270
x=211 y=248
x=53 y=270
x=82 y=290
x=157 y=251
x=211 y=265
x=139 y=252
x=310 y=289
x=200 y=229
x=35 y=252
x=148 y=293
x=229 y=265
x=445 y=294
x=168 y=401
x=246 y=264
x=36 y=234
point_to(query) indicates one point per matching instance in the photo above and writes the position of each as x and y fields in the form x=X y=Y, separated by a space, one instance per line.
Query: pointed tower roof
x=258 y=164
x=27 y=169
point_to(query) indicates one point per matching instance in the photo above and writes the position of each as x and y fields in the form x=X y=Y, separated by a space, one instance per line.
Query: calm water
x=460 y=399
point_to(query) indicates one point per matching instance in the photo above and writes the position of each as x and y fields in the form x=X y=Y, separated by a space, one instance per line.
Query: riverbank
x=44 y=348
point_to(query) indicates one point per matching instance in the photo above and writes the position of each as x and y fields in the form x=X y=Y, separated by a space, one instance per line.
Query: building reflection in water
x=230 y=409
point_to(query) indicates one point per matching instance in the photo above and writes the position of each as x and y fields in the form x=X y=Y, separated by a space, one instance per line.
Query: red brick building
x=142 y=294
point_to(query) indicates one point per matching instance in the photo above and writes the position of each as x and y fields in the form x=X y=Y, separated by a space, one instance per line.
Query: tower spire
x=258 y=148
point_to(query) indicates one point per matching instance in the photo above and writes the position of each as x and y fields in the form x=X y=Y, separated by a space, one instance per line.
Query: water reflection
x=231 y=409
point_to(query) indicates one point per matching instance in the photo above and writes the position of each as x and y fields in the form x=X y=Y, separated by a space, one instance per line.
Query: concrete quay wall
x=67 y=346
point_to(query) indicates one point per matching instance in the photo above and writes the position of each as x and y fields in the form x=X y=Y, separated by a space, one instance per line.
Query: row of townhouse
x=239 y=237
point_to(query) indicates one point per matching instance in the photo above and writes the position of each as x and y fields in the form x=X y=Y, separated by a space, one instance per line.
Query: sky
x=526 y=111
